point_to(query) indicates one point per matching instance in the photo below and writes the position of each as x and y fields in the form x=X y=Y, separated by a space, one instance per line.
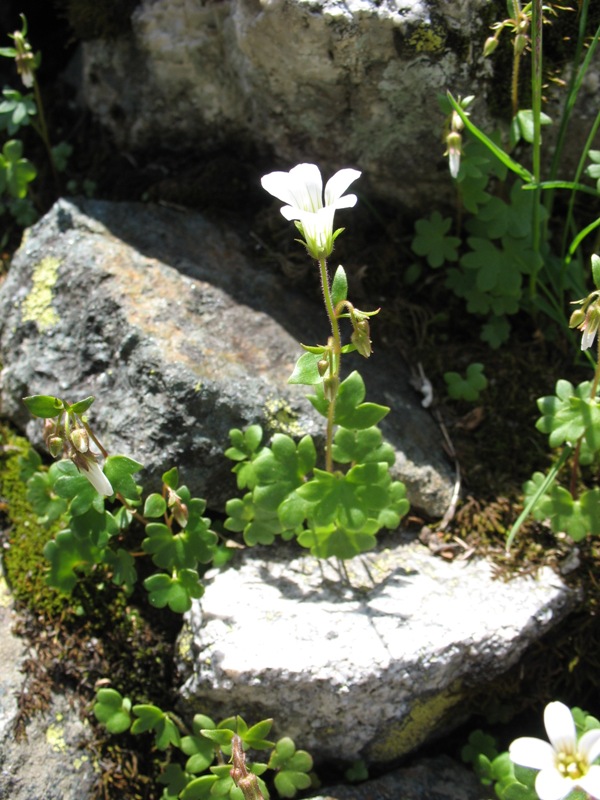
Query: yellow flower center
x=571 y=765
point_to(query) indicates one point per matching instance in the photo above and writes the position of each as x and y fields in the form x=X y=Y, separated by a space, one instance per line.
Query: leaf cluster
x=571 y=418
x=94 y=535
x=202 y=773
x=469 y=387
x=332 y=513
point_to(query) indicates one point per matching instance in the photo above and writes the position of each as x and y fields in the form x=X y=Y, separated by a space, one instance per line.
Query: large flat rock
x=160 y=315
x=371 y=669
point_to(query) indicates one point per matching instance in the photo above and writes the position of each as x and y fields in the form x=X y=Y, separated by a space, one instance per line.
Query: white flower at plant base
x=302 y=189
x=565 y=764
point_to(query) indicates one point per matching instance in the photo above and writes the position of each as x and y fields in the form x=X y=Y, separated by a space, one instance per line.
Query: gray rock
x=371 y=671
x=350 y=83
x=160 y=315
x=438 y=778
x=50 y=762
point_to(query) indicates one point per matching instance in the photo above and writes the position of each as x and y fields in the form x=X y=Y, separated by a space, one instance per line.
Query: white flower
x=302 y=189
x=88 y=466
x=564 y=763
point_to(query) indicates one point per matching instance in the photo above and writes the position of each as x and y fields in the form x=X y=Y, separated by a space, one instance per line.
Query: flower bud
x=577 y=317
x=179 y=509
x=80 y=440
x=454 y=143
x=489 y=46
x=323 y=366
x=520 y=43
x=56 y=445
x=360 y=338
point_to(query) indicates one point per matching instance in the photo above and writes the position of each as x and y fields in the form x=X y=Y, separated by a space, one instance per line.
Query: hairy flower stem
x=242 y=777
x=335 y=361
x=42 y=130
x=536 y=91
x=594 y=391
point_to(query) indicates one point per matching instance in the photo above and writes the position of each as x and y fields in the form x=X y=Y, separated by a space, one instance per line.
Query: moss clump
x=24 y=538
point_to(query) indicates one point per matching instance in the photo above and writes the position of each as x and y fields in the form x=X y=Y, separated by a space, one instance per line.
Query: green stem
x=536 y=86
x=334 y=371
x=42 y=130
x=575 y=467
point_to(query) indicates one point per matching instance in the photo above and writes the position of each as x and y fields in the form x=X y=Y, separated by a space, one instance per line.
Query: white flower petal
x=347 y=201
x=530 y=752
x=307 y=187
x=590 y=782
x=589 y=745
x=98 y=479
x=551 y=785
x=337 y=185
x=279 y=185
x=587 y=339
x=290 y=212
x=560 y=727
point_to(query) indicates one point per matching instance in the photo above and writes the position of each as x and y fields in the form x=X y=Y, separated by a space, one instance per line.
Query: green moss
x=24 y=561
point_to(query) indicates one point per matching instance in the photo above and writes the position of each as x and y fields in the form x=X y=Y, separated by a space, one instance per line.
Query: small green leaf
x=152 y=718
x=339 y=286
x=220 y=736
x=66 y=554
x=432 y=241
x=176 y=592
x=122 y=564
x=199 y=788
x=44 y=406
x=112 y=710
x=350 y=411
x=171 y=478
x=526 y=126
x=306 y=371
x=118 y=470
x=82 y=405
x=155 y=505
x=467 y=388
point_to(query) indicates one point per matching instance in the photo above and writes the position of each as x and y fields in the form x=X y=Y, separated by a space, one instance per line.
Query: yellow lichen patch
x=55 y=735
x=428 y=39
x=37 y=306
x=280 y=417
x=405 y=735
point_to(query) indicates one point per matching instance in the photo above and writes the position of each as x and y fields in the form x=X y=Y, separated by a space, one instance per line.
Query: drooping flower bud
x=360 y=337
x=454 y=151
x=323 y=366
x=587 y=318
x=577 y=317
x=178 y=507
x=520 y=43
x=56 y=445
x=80 y=440
x=490 y=45
x=25 y=59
